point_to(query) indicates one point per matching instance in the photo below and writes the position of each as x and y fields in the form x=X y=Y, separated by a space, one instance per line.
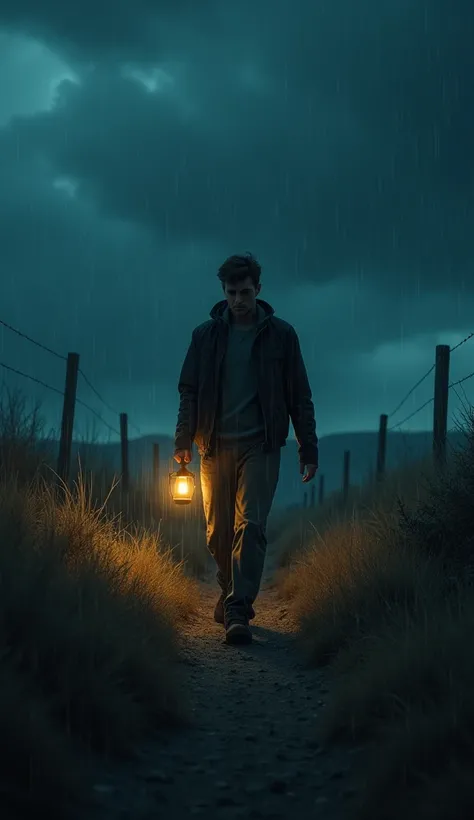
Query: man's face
x=242 y=298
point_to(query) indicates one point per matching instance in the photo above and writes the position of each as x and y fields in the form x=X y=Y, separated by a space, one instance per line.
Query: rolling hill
x=402 y=448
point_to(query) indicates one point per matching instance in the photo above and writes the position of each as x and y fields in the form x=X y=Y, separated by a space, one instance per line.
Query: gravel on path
x=250 y=749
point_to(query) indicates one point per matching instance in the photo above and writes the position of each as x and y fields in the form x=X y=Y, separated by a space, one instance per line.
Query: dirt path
x=251 y=750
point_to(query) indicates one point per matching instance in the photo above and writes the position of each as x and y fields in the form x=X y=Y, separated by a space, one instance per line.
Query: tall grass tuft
x=89 y=618
x=384 y=599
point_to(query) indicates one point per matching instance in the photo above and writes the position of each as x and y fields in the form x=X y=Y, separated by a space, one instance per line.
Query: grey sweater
x=239 y=414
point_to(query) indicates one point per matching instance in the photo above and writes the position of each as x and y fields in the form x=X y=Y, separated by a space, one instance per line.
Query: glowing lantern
x=182 y=485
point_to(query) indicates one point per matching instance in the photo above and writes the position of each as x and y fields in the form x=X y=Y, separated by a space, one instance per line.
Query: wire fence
x=109 y=407
x=420 y=381
x=55 y=389
x=146 y=499
x=441 y=441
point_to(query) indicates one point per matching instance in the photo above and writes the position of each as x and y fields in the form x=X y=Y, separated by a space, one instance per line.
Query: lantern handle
x=182 y=468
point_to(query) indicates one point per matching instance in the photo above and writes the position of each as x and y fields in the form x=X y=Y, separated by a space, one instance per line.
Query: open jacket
x=284 y=390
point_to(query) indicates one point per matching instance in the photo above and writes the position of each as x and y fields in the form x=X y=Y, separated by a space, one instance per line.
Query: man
x=243 y=378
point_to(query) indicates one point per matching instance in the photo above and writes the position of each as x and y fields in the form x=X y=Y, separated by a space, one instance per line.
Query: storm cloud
x=143 y=142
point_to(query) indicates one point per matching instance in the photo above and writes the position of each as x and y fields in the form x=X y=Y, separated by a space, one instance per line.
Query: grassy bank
x=88 y=650
x=295 y=531
x=27 y=453
x=383 y=597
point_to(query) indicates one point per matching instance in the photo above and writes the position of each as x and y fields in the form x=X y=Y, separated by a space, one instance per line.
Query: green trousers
x=238 y=485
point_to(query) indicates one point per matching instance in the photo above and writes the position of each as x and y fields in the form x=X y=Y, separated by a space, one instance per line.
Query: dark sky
x=143 y=142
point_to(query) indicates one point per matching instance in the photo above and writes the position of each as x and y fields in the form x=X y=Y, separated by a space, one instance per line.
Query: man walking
x=242 y=380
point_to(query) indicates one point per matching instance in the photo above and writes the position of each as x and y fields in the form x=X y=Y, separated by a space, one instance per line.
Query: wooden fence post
x=321 y=490
x=440 y=413
x=381 y=447
x=313 y=496
x=67 y=422
x=124 y=452
x=345 y=480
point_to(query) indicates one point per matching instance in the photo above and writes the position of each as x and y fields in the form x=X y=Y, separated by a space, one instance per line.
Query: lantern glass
x=182 y=486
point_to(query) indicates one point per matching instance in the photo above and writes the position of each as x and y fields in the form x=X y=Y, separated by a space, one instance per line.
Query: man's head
x=240 y=278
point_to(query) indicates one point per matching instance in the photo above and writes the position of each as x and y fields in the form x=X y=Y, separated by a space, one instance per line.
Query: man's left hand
x=308 y=471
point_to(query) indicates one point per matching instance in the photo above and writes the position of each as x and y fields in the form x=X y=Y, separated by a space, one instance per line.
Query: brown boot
x=237 y=629
x=219 y=610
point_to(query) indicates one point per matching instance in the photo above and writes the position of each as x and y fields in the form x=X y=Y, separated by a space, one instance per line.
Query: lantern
x=182 y=485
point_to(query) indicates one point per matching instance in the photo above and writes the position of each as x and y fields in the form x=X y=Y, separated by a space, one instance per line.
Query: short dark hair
x=238 y=267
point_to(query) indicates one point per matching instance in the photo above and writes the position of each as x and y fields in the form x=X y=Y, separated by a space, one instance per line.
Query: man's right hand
x=183 y=455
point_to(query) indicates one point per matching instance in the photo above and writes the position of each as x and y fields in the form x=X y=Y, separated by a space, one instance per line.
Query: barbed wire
x=91 y=409
x=60 y=393
x=106 y=404
x=113 y=410
x=411 y=391
x=64 y=358
x=94 y=390
x=453 y=385
x=451 y=350
x=461 y=381
x=399 y=424
x=31 y=378
x=33 y=341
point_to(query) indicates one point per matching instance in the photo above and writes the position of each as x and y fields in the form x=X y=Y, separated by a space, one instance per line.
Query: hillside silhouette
x=402 y=449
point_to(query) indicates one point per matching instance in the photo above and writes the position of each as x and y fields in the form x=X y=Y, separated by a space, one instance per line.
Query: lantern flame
x=182 y=486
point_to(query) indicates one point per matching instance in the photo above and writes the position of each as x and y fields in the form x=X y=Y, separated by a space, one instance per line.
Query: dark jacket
x=284 y=390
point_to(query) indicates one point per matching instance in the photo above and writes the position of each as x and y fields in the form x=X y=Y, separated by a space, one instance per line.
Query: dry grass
x=21 y=427
x=383 y=596
x=182 y=528
x=351 y=581
x=88 y=649
x=295 y=530
x=27 y=454
x=415 y=696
